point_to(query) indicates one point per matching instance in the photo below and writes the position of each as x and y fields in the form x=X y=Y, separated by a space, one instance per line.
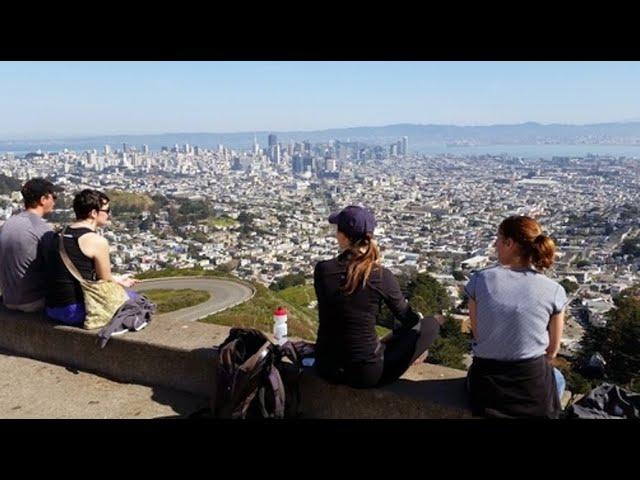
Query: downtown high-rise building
x=297 y=163
x=405 y=145
x=275 y=158
x=273 y=140
x=330 y=164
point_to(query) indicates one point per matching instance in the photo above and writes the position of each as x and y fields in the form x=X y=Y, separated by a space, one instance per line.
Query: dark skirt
x=513 y=389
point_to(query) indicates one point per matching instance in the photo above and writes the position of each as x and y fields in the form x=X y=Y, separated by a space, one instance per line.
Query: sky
x=66 y=99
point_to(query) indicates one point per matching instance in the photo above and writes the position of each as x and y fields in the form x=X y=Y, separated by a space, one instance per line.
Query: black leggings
x=399 y=350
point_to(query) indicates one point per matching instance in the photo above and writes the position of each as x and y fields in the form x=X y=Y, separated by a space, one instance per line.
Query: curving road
x=224 y=294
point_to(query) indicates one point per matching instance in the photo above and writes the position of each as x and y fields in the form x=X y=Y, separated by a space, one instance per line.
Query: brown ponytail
x=538 y=248
x=543 y=251
x=365 y=255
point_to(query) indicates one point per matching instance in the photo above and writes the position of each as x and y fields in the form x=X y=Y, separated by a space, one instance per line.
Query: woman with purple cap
x=350 y=289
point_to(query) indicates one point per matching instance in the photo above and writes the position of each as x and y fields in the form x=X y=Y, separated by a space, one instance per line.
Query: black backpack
x=606 y=401
x=252 y=378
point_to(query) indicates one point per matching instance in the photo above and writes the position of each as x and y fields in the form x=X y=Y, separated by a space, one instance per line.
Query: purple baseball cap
x=354 y=221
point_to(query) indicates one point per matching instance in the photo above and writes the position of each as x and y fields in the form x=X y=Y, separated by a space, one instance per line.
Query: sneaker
x=120 y=331
x=141 y=326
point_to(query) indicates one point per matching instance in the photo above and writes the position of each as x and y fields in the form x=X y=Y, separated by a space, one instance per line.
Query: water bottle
x=280 y=325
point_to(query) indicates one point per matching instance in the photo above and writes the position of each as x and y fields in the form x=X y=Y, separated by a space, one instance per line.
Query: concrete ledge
x=424 y=391
x=176 y=355
x=182 y=355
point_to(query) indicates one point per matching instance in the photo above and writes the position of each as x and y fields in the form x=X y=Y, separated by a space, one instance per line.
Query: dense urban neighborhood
x=261 y=214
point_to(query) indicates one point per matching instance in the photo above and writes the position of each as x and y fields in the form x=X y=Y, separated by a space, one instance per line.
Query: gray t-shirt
x=22 y=277
x=514 y=307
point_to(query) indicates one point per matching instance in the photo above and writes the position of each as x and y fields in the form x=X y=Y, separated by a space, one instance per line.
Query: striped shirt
x=514 y=306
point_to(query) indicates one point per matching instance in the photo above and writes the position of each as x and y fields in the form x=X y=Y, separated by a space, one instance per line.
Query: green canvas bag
x=102 y=298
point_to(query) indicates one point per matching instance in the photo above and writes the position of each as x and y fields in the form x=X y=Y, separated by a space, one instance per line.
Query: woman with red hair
x=517 y=317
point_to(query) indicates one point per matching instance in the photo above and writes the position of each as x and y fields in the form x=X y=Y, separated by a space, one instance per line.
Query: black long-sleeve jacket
x=346 y=334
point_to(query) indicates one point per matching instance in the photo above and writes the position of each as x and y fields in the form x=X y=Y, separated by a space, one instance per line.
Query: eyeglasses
x=107 y=210
x=54 y=196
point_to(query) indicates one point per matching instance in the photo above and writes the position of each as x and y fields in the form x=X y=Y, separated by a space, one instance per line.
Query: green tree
x=192 y=210
x=290 y=280
x=459 y=275
x=623 y=341
x=427 y=295
x=245 y=218
x=199 y=236
x=128 y=203
x=618 y=341
x=160 y=200
x=9 y=184
x=569 y=286
x=576 y=383
x=449 y=349
x=228 y=267
x=446 y=354
x=631 y=246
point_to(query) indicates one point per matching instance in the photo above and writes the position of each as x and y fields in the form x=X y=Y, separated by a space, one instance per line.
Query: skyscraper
x=273 y=140
x=330 y=164
x=405 y=145
x=276 y=154
x=297 y=163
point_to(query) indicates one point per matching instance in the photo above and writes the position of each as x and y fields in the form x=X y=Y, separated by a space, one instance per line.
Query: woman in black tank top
x=64 y=289
x=87 y=250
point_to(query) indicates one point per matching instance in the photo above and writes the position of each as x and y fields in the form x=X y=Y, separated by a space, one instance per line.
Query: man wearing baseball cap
x=350 y=289
x=22 y=279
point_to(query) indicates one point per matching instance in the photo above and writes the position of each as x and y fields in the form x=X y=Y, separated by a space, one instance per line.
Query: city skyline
x=66 y=99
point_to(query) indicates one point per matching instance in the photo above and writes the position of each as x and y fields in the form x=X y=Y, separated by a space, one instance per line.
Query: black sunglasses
x=107 y=210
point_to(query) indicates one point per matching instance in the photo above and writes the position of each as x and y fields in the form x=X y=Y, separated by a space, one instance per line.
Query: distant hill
x=420 y=136
x=9 y=184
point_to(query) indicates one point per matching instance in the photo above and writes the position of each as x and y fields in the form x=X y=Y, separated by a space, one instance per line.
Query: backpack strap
x=278 y=392
x=67 y=261
x=251 y=368
x=290 y=375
